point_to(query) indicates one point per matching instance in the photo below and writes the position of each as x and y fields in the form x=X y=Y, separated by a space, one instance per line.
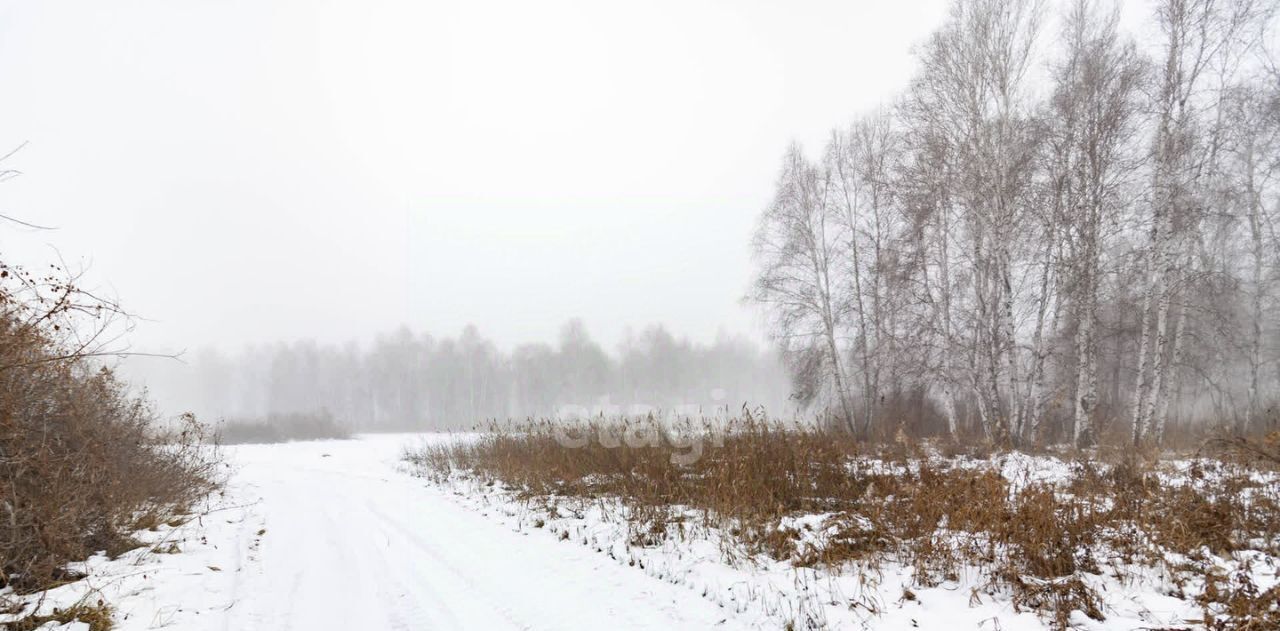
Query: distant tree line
x=408 y=381
x=1051 y=236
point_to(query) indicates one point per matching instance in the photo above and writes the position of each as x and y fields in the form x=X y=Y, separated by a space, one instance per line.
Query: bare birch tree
x=992 y=250
x=1094 y=112
x=1252 y=153
x=1204 y=42
x=973 y=72
x=798 y=248
x=861 y=161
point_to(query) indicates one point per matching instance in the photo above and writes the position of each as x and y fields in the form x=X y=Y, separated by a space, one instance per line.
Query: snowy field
x=338 y=535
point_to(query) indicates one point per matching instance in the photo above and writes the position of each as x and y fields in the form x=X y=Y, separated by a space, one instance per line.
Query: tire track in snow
x=353 y=543
x=414 y=540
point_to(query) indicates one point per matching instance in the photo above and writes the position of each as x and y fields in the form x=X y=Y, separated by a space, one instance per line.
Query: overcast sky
x=242 y=171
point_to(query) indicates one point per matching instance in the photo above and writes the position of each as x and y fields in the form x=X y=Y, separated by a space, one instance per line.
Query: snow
x=333 y=535
x=339 y=535
x=878 y=595
x=761 y=594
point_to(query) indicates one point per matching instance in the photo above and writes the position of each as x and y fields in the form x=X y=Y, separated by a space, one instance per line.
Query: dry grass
x=1034 y=541
x=97 y=616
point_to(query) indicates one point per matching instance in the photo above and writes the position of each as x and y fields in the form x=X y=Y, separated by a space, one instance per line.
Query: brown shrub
x=82 y=460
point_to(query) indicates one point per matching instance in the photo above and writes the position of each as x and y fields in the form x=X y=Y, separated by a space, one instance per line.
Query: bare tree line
x=408 y=381
x=1046 y=238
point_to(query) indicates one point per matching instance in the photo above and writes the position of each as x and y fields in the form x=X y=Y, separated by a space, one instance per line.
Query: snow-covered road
x=351 y=543
x=335 y=537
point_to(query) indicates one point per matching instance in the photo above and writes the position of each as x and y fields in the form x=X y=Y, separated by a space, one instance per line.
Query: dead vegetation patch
x=97 y=616
x=84 y=461
x=1039 y=542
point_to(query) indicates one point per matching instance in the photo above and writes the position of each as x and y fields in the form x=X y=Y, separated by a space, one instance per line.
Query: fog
x=292 y=195
x=415 y=303
x=245 y=172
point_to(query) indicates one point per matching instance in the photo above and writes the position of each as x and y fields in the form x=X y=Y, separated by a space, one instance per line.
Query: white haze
x=242 y=171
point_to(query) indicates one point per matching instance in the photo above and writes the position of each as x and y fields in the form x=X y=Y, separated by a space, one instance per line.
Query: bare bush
x=83 y=461
x=1265 y=449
